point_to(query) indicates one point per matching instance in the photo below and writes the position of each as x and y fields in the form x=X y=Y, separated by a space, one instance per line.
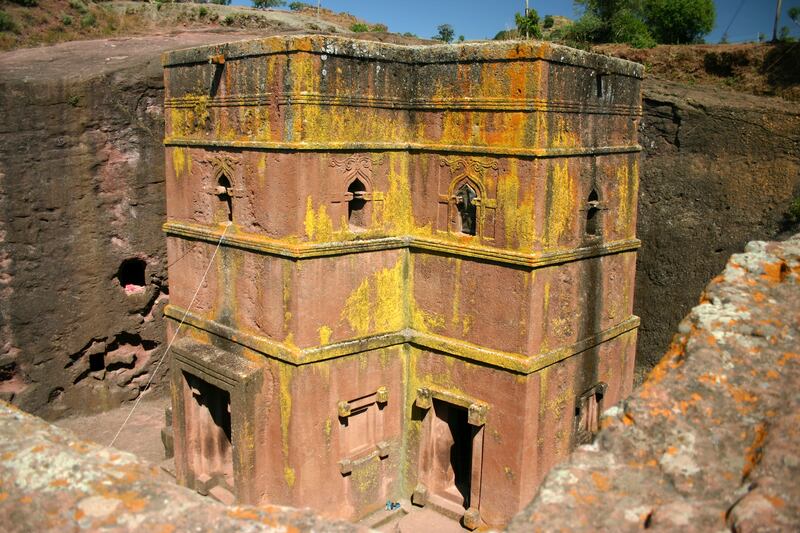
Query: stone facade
x=400 y=272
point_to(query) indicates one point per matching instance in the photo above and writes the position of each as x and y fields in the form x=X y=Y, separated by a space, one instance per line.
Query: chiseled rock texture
x=52 y=481
x=711 y=441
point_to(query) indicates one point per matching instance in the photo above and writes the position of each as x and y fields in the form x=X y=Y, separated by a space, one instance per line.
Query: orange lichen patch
x=600 y=481
x=753 y=453
x=741 y=395
x=165 y=528
x=772 y=374
x=132 y=501
x=774 y=272
x=246 y=514
x=628 y=420
x=59 y=483
x=660 y=411
x=38 y=448
x=583 y=498
x=759 y=296
x=78 y=514
x=788 y=356
x=7 y=456
x=710 y=378
x=672 y=450
x=3 y=496
x=776 y=501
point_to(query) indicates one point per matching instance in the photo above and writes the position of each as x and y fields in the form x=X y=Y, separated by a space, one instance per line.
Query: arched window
x=224 y=194
x=593 y=214
x=356 y=214
x=467 y=210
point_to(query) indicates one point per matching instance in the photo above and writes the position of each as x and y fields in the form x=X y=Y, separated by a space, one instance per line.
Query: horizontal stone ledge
x=514 y=362
x=258 y=243
x=499 y=51
x=433 y=104
x=330 y=146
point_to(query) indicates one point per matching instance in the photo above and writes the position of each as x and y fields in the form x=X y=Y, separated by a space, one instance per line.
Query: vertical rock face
x=720 y=168
x=711 y=440
x=82 y=200
x=82 y=258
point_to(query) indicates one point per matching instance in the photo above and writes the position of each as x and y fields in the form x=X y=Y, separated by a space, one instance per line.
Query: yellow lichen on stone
x=318 y=224
x=562 y=205
x=324 y=334
x=397 y=212
x=181 y=161
x=285 y=393
x=378 y=302
x=518 y=215
x=562 y=136
x=628 y=190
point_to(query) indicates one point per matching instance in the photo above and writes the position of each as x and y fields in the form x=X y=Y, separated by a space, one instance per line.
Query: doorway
x=451 y=473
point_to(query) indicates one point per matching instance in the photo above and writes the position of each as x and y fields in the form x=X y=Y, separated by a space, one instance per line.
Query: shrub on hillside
x=359 y=27
x=6 y=22
x=26 y=3
x=267 y=3
x=299 y=6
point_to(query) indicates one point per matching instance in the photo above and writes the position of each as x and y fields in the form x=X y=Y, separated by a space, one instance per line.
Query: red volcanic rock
x=712 y=439
x=52 y=481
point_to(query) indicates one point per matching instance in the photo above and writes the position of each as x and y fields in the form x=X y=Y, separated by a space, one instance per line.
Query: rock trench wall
x=81 y=192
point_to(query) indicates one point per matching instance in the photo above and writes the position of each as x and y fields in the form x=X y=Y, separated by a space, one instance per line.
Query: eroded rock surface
x=711 y=441
x=52 y=481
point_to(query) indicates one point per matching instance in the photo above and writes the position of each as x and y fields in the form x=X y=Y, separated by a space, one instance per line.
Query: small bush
x=359 y=27
x=379 y=27
x=6 y=22
x=299 y=6
x=79 y=6
x=202 y=12
x=228 y=20
x=26 y=3
x=267 y=3
x=88 y=20
x=793 y=213
x=548 y=21
x=409 y=34
x=66 y=20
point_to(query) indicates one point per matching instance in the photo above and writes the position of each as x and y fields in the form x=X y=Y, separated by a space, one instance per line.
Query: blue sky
x=479 y=19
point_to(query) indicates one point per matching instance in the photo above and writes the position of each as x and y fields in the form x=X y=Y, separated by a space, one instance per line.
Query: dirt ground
x=140 y=436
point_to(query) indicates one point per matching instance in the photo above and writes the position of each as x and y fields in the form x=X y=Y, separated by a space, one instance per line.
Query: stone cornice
x=515 y=362
x=254 y=242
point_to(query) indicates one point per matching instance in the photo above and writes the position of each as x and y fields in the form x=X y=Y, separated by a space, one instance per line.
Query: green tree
x=794 y=14
x=528 y=24
x=267 y=3
x=446 y=33
x=679 y=21
x=548 y=21
x=644 y=22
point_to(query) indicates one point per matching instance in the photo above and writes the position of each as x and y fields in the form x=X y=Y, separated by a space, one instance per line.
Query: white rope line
x=177 y=330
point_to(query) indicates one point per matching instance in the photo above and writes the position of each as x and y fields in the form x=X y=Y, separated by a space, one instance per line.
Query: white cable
x=163 y=355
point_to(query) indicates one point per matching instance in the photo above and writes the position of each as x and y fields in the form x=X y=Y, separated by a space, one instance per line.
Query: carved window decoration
x=225 y=172
x=467 y=209
x=355 y=205
x=361 y=425
x=593 y=214
x=587 y=414
x=225 y=194
x=355 y=200
x=599 y=81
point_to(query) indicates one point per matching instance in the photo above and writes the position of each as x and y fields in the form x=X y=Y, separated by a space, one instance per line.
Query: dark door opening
x=453 y=437
x=356 y=214
x=208 y=434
